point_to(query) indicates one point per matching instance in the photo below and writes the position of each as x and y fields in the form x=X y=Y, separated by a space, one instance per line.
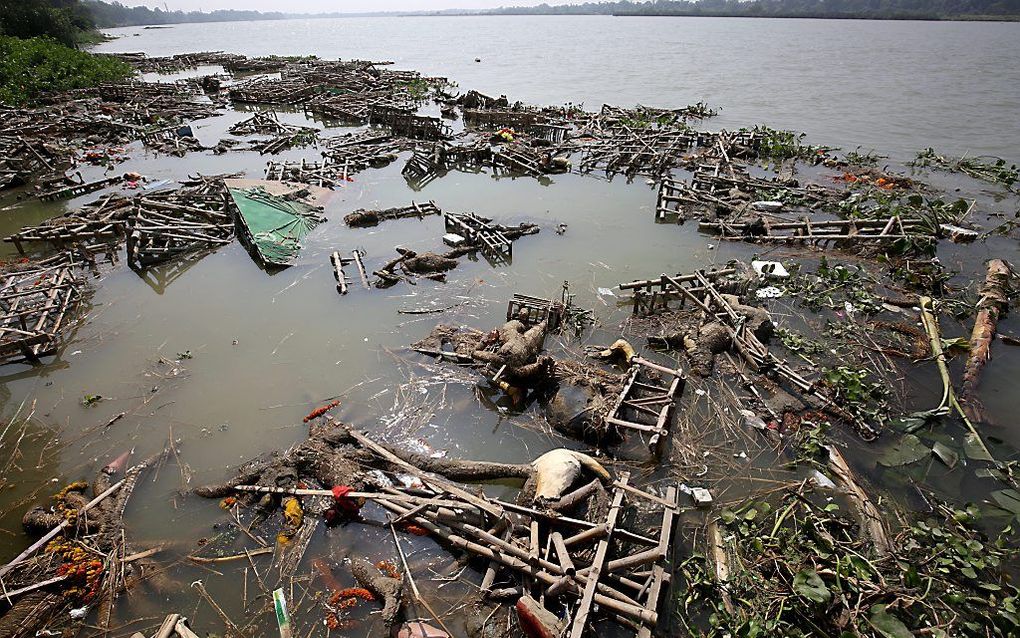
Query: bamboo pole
x=949 y=400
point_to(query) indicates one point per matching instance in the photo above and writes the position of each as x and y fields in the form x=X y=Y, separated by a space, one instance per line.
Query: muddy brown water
x=267 y=348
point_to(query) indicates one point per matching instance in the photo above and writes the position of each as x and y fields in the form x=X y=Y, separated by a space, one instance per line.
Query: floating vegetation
x=833 y=286
x=986 y=168
x=777 y=145
x=805 y=569
x=867 y=158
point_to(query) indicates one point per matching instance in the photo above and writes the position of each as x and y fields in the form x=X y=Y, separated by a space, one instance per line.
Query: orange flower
x=388 y=569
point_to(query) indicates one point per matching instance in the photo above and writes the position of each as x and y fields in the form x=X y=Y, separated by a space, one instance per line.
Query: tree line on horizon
x=73 y=22
x=867 y=9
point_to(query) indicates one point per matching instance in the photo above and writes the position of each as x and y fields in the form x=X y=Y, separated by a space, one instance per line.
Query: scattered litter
x=770 y=269
x=769 y=292
x=752 y=420
x=767 y=206
x=822 y=480
x=453 y=239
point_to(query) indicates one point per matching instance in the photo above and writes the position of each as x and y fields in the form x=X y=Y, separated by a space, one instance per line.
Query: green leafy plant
x=777 y=145
x=29 y=68
x=90 y=400
x=801 y=567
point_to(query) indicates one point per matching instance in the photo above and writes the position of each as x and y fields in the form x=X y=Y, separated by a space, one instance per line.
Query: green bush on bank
x=34 y=66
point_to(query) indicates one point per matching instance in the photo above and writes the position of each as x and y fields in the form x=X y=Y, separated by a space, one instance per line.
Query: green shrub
x=34 y=66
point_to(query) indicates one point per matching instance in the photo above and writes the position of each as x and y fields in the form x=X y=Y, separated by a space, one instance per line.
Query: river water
x=266 y=349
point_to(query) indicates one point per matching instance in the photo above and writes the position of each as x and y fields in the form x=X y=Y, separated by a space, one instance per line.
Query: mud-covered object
x=428 y=263
x=758 y=320
x=483 y=621
x=536 y=621
x=362 y=219
x=579 y=412
x=456 y=339
x=388 y=590
x=42 y=518
x=712 y=339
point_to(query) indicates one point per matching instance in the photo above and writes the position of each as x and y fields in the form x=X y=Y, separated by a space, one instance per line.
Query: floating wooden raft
x=100 y=221
x=711 y=189
x=326 y=173
x=407 y=124
x=838 y=230
x=630 y=151
x=353 y=108
x=74 y=190
x=482 y=232
x=708 y=189
x=262 y=123
x=534 y=310
x=516 y=159
x=34 y=305
x=653 y=295
x=71 y=231
x=429 y=162
x=263 y=91
x=700 y=289
x=338 y=261
x=161 y=229
x=20 y=159
x=645 y=404
x=291 y=137
x=425 y=165
x=531 y=122
x=352 y=154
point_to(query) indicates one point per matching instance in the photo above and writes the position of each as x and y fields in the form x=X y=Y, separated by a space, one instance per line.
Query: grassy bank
x=31 y=67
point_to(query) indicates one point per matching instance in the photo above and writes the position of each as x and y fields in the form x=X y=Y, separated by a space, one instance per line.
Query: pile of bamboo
x=171 y=223
x=602 y=563
x=327 y=174
x=34 y=306
x=102 y=221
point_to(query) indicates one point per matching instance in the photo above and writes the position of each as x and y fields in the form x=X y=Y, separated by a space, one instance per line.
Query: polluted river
x=455 y=330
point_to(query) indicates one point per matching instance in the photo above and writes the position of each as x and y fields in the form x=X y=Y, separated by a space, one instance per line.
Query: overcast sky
x=329 y=6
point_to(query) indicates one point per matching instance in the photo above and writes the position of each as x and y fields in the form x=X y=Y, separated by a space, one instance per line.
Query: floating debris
x=274 y=217
x=362 y=218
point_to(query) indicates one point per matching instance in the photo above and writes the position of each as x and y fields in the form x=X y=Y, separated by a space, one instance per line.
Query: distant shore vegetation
x=829 y=9
x=116 y=14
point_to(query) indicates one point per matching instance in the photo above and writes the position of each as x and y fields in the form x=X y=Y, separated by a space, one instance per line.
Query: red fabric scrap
x=346 y=503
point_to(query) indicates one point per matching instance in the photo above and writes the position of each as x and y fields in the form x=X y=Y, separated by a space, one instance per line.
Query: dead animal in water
x=557 y=470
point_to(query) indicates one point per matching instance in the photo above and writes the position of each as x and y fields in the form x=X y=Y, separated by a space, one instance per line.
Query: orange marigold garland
x=83 y=571
x=388 y=569
x=69 y=513
x=317 y=412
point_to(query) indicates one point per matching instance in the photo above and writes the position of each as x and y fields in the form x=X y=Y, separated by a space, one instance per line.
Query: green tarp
x=274 y=225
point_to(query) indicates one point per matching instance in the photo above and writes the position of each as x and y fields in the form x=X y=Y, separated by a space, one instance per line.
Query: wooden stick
x=223 y=559
x=949 y=400
x=34 y=586
x=410 y=580
x=865 y=507
x=169 y=623
x=994 y=301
